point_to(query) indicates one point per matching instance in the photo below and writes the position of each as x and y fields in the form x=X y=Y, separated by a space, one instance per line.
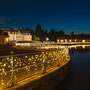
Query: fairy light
x=4 y=64
x=27 y=60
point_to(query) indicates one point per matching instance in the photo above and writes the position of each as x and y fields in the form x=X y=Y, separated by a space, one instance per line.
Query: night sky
x=68 y=15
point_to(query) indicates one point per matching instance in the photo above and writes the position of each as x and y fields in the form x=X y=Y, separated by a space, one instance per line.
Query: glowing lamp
x=83 y=41
x=47 y=39
x=61 y=41
x=70 y=40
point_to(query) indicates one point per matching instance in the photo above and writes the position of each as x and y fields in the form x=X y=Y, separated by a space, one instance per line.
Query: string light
x=30 y=63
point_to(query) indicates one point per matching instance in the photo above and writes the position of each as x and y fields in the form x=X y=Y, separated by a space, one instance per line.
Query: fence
x=14 y=68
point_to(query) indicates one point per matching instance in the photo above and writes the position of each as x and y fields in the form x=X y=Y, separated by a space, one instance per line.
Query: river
x=79 y=73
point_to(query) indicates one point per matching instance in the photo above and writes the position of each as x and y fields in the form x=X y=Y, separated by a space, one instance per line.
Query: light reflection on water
x=79 y=75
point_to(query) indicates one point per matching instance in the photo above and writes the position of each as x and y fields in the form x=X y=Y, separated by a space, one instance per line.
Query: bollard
x=12 y=74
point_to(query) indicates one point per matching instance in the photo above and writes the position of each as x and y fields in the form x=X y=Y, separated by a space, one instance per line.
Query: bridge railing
x=14 y=68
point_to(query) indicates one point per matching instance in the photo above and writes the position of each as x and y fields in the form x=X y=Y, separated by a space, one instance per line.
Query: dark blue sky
x=68 y=15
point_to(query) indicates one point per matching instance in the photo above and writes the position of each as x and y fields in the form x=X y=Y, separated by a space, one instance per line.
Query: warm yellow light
x=65 y=40
x=75 y=40
x=61 y=41
x=75 y=47
x=7 y=39
x=83 y=41
x=83 y=46
x=4 y=64
x=57 y=41
x=70 y=40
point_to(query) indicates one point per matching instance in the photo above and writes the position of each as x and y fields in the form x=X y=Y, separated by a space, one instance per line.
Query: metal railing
x=14 y=68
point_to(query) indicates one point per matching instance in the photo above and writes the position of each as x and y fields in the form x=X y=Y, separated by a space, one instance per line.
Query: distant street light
x=47 y=39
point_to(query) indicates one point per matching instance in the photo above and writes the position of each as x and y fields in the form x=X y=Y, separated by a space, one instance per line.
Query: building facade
x=70 y=40
x=15 y=36
x=3 y=37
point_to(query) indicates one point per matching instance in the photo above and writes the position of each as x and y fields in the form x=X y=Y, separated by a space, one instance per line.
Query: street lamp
x=47 y=39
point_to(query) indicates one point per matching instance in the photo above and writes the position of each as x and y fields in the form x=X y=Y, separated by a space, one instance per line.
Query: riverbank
x=74 y=43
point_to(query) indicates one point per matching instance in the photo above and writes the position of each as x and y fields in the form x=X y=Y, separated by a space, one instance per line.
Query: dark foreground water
x=79 y=75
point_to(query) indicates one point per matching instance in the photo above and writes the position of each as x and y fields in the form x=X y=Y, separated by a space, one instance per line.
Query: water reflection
x=81 y=49
x=79 y=74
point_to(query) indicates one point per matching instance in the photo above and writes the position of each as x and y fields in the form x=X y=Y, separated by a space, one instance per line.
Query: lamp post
x=12 y=74
x=58 y=61
x=44 y=66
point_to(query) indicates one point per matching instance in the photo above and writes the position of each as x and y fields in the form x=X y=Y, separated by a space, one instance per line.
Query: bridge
x=16 y=68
